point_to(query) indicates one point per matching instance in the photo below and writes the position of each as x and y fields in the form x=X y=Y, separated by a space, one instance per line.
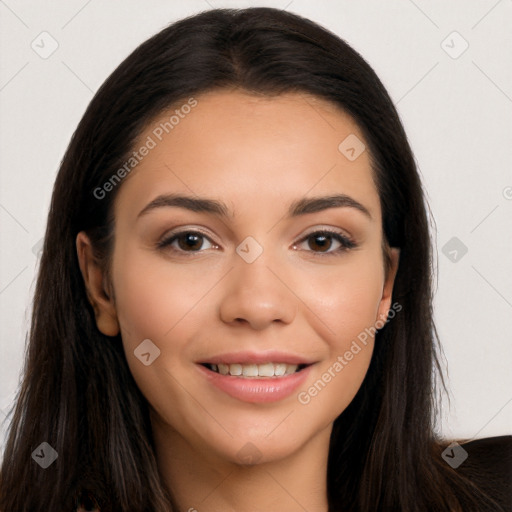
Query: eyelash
x=345 y=242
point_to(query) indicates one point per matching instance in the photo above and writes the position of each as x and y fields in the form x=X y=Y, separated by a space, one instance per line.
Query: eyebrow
x=297 y=208
x=318 y=204
x=194 y=204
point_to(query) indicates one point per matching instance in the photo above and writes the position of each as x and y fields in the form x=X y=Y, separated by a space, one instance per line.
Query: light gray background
x=456 y=111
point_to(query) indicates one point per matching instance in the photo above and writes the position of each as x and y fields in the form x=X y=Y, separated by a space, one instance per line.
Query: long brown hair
x=77 y=392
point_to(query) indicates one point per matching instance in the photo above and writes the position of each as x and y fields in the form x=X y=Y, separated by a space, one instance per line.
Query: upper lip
x=247 y=357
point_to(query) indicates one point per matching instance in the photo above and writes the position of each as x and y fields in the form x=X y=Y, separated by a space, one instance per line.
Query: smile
x=254 y=382
x=255 y=370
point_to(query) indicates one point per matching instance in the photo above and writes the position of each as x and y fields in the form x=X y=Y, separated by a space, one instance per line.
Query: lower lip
x=263 y=390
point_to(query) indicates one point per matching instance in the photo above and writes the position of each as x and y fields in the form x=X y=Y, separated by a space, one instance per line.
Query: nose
x=257 y=296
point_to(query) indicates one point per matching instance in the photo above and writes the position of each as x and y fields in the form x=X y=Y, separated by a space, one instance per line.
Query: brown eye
x=187 y=241
x=190 y=241
x=320 y=242
x=326 y=242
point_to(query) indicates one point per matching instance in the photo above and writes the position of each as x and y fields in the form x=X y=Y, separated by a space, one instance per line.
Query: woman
x=233 y=309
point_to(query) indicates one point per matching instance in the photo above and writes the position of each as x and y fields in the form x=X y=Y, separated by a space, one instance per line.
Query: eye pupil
x=190 y=241
x=320 y=243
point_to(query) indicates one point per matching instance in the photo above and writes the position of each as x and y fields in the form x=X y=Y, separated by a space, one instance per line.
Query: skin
x=257 y=155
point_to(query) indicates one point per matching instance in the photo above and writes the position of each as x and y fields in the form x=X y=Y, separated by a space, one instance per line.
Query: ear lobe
x=387 y=290
x=94 y=280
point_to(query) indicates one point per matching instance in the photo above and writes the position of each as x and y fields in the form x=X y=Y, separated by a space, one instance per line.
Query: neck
x=202 y=481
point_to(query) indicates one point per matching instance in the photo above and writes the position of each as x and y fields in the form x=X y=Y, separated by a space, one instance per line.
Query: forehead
x=233 y=145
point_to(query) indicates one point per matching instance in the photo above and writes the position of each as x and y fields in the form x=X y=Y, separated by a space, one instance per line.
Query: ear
x=101 y=300
x=387 y=290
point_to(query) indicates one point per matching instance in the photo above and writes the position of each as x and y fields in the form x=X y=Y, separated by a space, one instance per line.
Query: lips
x=256 y=377
x=270 y=356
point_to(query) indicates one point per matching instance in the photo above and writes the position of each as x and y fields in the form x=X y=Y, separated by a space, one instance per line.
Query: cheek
x=145 y=308
x=336 y=382
x=344 y=312
x=152 y=297
x=345 y=298
x=155 y=301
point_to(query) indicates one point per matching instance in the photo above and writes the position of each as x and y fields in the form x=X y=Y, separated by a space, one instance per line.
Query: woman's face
x=242 y=272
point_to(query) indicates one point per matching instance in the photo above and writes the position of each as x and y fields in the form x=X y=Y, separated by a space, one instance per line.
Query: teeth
x=223 y=369
x=249 y=370
x=235 y=369
x=280 y=369
x=255 y=370
x=266 y=370
x=290 y=369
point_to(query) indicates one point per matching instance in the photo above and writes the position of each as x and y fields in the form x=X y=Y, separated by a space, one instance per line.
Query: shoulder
x=491 y=454
x=488 y=465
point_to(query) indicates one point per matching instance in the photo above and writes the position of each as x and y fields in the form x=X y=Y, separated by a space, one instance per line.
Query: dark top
x=488 y=465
